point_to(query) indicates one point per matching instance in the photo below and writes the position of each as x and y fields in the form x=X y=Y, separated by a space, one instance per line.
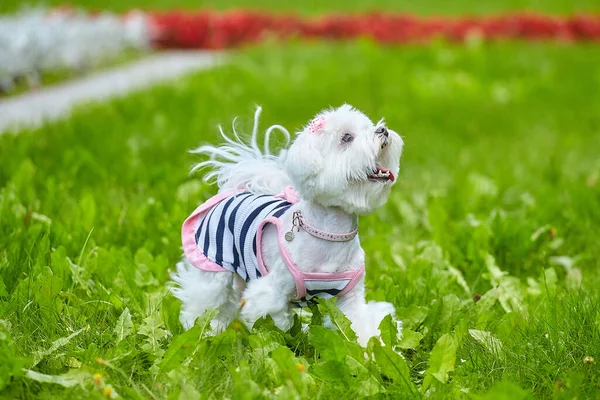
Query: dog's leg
x=231 y=304
x=365 y=317
x=200 y=290
x=268 y=296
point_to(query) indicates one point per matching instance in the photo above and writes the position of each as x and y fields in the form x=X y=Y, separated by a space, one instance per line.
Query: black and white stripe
x=227 y=233
x=321 y=289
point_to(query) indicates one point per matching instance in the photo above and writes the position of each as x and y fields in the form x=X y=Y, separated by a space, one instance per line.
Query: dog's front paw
x=379 y=309
x=367 y=326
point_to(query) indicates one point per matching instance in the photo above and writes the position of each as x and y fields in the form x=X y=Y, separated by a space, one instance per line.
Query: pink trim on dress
x=359 y=274
x=188 y=234
x=300 y=276
x=289 y=194
x=300 y=287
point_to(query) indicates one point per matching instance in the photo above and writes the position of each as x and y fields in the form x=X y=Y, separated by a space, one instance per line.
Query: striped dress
x=225 y=233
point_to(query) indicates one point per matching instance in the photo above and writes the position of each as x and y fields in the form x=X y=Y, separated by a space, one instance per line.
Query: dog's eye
x=347 y=138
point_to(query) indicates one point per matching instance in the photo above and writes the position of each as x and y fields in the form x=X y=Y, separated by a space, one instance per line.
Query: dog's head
x=342 y=159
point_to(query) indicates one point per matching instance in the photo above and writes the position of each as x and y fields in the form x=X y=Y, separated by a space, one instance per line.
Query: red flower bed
x=218 y=30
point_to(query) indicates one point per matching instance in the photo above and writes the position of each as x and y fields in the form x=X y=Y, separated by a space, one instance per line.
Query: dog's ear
x=317 y=125
x=304 y=161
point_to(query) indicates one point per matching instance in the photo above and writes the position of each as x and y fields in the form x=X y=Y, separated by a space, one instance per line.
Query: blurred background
x=45 y=42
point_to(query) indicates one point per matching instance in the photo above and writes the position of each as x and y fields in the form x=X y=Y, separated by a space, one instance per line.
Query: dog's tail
x=236 y=164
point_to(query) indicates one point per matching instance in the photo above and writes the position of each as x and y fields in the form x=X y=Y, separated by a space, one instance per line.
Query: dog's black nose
x=382 y=130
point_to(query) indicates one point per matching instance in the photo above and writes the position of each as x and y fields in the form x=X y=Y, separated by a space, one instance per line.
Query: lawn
x=488 y=246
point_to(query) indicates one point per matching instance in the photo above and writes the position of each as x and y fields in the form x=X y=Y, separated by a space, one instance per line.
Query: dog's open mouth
x=381 y=175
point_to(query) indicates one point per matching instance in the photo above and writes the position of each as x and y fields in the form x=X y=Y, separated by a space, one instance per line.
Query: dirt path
x=32 y=109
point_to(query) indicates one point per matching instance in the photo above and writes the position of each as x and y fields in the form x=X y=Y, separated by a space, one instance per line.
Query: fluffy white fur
x=332 y=179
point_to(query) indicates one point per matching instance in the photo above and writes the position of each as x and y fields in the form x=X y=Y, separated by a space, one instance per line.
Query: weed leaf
x=39 y=355
x=124 y=325
x=392 y=365
x=441 y=361
x=410 y=339
x=70 y=379
x=328 y=343
x=489 y=341
x=338 y=319
x=185 y=344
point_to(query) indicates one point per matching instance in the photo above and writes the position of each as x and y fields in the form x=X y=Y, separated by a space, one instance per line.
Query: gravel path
x=34 y=108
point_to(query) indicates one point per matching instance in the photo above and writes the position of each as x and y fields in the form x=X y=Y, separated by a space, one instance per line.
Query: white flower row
x=36 y=41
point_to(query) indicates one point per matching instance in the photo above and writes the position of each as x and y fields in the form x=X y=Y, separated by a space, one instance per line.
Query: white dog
x=260 y=245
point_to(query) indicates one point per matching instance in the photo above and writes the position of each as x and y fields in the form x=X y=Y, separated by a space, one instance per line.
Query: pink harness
x=308 y=284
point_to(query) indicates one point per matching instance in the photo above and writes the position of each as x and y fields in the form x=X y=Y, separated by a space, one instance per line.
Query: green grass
x=501 y=175
x=430 y=7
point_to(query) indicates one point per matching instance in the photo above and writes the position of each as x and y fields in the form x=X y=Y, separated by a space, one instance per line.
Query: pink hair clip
x=317 y=124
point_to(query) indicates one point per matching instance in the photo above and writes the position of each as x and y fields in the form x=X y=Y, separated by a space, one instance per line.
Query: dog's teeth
x=380 y=174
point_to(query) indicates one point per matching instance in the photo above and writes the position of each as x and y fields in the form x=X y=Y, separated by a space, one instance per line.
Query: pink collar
x=298 y=222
